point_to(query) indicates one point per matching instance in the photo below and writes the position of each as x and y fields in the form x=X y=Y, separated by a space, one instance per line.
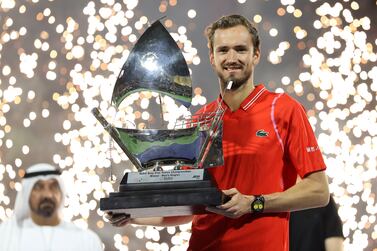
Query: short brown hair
x=229 y=22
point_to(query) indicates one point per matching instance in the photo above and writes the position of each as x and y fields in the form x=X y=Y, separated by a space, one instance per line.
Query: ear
x=256 y=57
x=212 y=59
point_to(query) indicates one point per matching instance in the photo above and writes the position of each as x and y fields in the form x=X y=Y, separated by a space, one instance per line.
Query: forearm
x=311 y=192
x=162 y=221
x=334 y=244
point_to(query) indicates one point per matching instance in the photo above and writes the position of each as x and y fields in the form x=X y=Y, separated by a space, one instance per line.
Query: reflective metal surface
x=172 y=178
x=163 y=146
x=155 y=63
x=181 y=147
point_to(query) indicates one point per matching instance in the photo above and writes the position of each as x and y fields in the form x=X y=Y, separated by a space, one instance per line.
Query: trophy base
x=163 y=199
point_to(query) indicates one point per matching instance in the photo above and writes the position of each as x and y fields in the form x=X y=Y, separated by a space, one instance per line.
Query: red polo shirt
x=266 y=143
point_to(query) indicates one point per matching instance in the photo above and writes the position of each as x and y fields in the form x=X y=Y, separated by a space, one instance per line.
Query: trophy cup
x=172 y=176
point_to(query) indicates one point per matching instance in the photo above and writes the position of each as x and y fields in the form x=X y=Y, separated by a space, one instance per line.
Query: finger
x=120 y=221
x=218 y=211
x=227 y=205
x=115 y=217
x=232 y=210
x=230 y=203
x=118 y=217
x=215 y=210
x=230 y=192
x=108 y=215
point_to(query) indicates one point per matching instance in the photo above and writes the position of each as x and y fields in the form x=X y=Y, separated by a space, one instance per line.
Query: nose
x=232 y=56
x=47 y=193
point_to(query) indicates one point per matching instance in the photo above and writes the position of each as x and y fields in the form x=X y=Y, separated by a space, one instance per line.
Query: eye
x=37 y=186
x=222 y=50
x=242 y=49
x=55 y=186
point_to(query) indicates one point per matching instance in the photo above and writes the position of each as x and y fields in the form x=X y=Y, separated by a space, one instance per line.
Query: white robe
x=31 y=237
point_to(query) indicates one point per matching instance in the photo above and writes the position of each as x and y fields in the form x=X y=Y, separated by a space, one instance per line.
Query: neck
x=234 y=98
x=54 y=220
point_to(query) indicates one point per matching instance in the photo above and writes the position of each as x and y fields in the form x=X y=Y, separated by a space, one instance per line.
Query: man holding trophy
x=267 y=141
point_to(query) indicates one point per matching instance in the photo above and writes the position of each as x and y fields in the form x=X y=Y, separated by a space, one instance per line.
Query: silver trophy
x=172 y=176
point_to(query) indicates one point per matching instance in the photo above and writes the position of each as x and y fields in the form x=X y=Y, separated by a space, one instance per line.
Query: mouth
x=47 y=204
x=232 y=68
x=46 y=208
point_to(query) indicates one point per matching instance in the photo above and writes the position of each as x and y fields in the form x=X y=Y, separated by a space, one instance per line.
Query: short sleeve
x=301 y=145
x=332 y=221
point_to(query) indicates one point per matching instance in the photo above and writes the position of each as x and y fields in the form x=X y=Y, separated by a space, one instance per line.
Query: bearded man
x=267 y=142
x=37 y=220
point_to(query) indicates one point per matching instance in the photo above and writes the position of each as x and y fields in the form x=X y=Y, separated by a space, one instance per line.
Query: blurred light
x=80 y=60
x=191 y=13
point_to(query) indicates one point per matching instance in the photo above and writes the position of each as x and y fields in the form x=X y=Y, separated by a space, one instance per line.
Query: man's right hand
x=122 y=219
x=118 y=219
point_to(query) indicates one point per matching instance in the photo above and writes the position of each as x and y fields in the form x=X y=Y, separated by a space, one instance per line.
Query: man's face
x=45 y=197
x=233 y=56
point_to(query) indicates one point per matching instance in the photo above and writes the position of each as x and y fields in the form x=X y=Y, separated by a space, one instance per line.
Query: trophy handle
x=212 y=133
x=115 y=135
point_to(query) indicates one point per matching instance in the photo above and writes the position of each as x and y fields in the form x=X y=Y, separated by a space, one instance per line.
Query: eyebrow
x=237 y=47
x=240 y=47
x=53 y=182
x=222 y=47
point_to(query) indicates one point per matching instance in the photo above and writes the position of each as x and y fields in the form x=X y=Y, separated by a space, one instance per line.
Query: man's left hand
x=238 y=204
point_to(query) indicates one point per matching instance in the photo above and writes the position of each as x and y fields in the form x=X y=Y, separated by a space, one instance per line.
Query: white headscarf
x=21 y=206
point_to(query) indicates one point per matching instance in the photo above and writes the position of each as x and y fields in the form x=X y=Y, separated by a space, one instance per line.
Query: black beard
x=46 y=208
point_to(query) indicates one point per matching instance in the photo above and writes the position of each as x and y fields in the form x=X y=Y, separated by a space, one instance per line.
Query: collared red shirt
x=266 y=143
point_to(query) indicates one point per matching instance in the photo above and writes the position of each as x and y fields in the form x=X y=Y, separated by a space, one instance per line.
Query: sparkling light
x=69 y=64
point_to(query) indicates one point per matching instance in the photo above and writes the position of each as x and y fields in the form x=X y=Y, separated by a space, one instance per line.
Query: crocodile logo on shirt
x=262 y=133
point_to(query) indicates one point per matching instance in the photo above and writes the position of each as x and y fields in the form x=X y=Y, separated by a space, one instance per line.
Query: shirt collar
x=249 y=100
